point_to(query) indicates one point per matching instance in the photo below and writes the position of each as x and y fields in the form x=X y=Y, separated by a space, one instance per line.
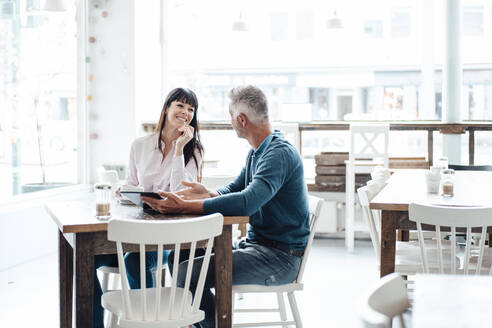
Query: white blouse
x=147 y=169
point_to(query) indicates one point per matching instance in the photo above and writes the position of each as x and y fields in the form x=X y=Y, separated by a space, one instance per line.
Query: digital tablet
x=134 y=196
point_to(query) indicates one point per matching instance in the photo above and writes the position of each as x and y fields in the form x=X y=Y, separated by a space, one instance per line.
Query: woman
x=159 y=161
x=177 y=136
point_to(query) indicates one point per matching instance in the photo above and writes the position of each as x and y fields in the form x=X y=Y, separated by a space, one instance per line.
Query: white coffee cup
x=432 y=181
x=110 y=177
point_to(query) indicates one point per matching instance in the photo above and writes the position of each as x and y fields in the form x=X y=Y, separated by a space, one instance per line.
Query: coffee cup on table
x=109 y=176
x=432 y=180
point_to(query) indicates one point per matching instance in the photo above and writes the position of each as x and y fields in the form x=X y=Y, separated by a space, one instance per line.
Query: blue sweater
x=270 y=190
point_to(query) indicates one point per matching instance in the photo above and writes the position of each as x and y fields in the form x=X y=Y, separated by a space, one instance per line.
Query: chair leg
x=295 y=310
x=105 y=282
x=163 y=279
x=281 y=306
x=116 y=282
x=104 y=288
x=113 y=320
x=402 y=323
x=233 y=305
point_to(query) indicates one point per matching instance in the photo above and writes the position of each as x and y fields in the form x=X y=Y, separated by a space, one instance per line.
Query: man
x=270 y=190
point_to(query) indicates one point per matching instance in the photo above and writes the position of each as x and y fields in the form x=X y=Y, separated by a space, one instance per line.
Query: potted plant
x=43 y=185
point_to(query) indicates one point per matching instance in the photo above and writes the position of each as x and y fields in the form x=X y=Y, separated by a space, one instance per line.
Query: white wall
x=112 y=124
x=149 y=93
x=27 y=231
x=26 y=234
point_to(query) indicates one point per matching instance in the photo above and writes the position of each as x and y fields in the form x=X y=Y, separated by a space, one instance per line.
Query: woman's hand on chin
x=184 y=138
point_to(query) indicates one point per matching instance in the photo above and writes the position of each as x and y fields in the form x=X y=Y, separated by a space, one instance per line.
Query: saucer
x=125 y=202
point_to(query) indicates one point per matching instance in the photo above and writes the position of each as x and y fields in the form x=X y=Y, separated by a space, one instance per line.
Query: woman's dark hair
x=185 y=96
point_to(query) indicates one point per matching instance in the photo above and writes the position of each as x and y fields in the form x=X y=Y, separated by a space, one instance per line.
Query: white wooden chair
x=315 y=205
x=475 y=259
x=407 y=254
x=387 y=300
x=368 y=148
x=160 y=306
x=108 y=272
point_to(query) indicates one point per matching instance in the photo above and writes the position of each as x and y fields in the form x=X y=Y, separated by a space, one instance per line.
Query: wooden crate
x=333 y=179
x=330 y=169
x=408 y=163
x=337 y=182
x=331 y=158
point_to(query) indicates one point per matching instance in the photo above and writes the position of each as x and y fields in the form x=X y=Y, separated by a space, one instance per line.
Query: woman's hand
x=117 y=193
x=184 y=138
x=195 y=191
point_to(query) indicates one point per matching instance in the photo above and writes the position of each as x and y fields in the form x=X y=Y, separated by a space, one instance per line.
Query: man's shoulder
x=282 y=147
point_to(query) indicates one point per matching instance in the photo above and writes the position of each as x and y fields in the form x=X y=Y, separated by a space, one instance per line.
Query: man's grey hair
x=251 y=101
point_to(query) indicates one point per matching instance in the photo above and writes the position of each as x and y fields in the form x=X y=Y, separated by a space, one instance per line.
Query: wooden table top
x=78 y=215
x=471 y=188
x=452 y=301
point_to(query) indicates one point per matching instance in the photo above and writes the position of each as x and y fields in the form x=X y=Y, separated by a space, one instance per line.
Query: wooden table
x=82 y=236
x=452 y=301
x=471 y=188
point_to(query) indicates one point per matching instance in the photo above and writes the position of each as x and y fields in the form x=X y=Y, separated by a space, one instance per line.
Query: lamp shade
x=334 y=22
x=240 y=24
x=54 y=5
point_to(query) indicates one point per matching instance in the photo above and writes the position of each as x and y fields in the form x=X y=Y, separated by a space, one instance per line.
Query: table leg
x=388 y=242
x=223 y=278
x=84 y=280
x=403 y=235
x=65 y=270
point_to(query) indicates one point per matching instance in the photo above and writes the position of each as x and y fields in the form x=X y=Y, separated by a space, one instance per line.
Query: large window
x=329 y=60
x=322 y=59
x=38 y=126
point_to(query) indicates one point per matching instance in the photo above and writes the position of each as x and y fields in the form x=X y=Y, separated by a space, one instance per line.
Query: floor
x=335 y=282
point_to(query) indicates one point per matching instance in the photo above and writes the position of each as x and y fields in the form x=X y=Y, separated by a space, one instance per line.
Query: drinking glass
x=103 y=200
x=447 y=182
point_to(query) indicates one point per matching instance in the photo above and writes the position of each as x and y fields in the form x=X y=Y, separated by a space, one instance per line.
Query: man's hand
x=173 y=204
x=196 y=191
x=170 y=203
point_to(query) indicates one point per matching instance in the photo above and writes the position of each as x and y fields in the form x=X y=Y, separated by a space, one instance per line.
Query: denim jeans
x=132 y=263
x=251 y=264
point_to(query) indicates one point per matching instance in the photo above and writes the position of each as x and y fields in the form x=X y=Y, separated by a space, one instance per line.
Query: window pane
x=483 y=148
x=368 y=67
x=38 y=120
x=473 y=21
x=400 y=22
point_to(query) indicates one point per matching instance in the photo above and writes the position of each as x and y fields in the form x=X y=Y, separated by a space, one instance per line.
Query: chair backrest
x=369 y=141
x=388 y=299
x=171 y=232
x=470 y=167
x=373 y=217
x=452 y=218
x=290 y=131
x=315 y=204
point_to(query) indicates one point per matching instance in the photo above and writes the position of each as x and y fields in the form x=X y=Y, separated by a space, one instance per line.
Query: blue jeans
x=132 y=263
x=251 y=264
